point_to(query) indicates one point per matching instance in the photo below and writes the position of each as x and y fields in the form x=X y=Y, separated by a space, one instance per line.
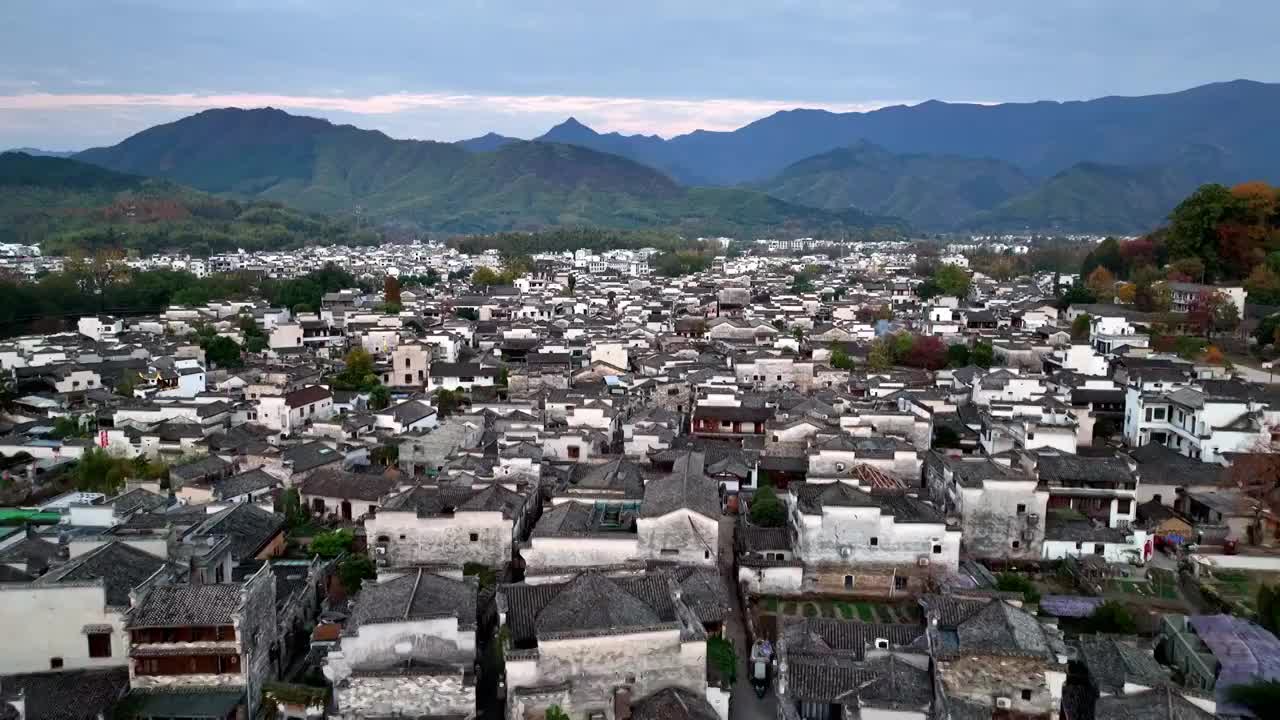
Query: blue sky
x=75 y=73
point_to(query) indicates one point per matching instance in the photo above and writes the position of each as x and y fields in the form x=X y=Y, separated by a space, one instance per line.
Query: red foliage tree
x=928 y=352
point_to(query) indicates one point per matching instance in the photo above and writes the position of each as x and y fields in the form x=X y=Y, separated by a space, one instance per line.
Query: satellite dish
x=404 y=647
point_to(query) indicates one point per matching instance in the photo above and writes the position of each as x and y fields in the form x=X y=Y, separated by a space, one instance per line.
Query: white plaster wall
x=44 y=622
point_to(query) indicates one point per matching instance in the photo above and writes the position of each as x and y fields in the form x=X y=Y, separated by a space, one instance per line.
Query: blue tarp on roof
x=1069 y=606
x=1246 y=651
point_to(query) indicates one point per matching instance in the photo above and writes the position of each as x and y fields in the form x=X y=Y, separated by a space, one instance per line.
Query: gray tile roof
x=591 y=604
x=1160 y=703
x=181 y=605
x=84 y=694
x=417 y=595
x=337 y=483
x=427 y=501
x=244 y=483
x=673 y=704
x=685 y=488
x=249 y=527
x=811 y=498
x=120 y=567
x=1114 y=661
x=1001 y=629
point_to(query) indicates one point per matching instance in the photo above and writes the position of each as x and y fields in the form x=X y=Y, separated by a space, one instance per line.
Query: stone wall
x=443 y=540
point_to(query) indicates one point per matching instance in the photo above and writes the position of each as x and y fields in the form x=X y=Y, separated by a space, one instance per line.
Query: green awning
x=199 y=705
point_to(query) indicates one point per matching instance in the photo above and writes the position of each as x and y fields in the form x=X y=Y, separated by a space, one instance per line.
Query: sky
x=80 y=73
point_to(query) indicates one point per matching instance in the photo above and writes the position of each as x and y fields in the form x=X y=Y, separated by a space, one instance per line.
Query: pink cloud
x=664 y=116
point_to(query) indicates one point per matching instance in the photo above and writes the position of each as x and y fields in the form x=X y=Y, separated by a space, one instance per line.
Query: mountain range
x=318 y=166
x=1042 y=138
x=1115 y=164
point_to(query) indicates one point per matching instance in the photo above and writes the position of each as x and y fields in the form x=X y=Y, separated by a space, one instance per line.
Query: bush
x=1013 y=582
x=1111 y=617
x=353 y=571
x=767 y=509
x=723 y=657
x=333 y=543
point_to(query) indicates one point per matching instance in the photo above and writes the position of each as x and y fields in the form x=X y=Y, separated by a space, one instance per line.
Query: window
x=55 y=663
x=1079 y=546
x=1158 y=413
x=574 y=452
x=408 y=377
x=402 y=537
x=899 y=582
x=779 y=378
x=706 y=554
x=1099 y=548
x=1016 y=544
x=882 y=644
x=100 y=643
x=1123 y=506
x=937 y=549
x=668 y=551
x=848 y=582
x=1022 y=509
x=875 y=541
x=1026 y=694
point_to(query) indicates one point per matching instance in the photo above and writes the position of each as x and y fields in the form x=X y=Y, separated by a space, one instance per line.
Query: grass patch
x=811 y=610
x=845 y=610
x=771 y=604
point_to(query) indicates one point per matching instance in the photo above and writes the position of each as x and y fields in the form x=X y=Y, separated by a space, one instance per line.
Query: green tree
x=485 y=277
x=1013 y=582
x=333 y=543
x=723 y=657
x=880 y=356
x=957 y=355
x=1080 y=328
x=1111 y=617
x=354 y=570
x=291 y=507
x=222 y=352
x=358 y=372
x=983 y=355
x=1194 y=227
x=840 y=359
x=1107 y=255
x=69 y=427
x=449 y=402
x=467 y=313
x=953 y=280
x=379 y=397
x=766 y=509
x=555 y=713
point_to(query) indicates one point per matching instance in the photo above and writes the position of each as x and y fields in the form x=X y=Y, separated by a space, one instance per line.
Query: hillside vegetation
x=446 y=187
x=65 y=205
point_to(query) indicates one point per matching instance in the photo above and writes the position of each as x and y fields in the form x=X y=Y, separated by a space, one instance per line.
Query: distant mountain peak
x=569 y=131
